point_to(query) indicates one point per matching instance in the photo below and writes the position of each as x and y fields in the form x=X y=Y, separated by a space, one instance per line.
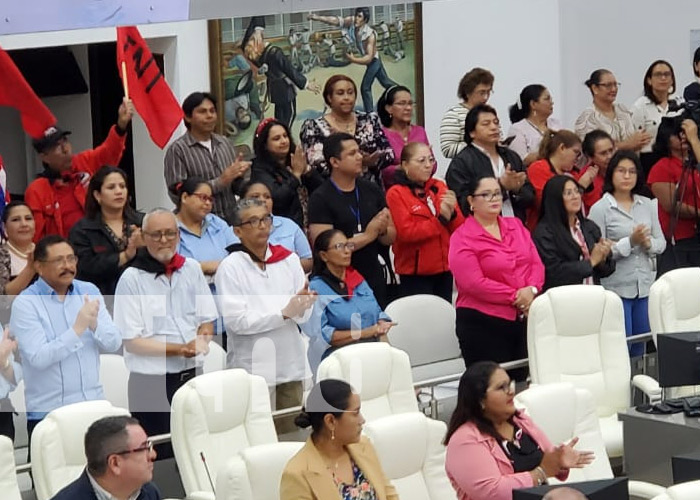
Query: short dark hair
x=327 y=396
x=41 y=251
x=387 y=99
x=364 y=11
x=474 y=77
x=330 y=84
x=648 y=92
x=614 y=162
x=193 y=100
x=667 y=129
x=590 y=140
x=260 y=143
x=333 y=146
x=521 y=109
x=243 y=190
x=92 y=207
x=321 y=245
x=696 y=59
x=188 y=186
x=595 y=78
x=105 y=437
x=472 y=119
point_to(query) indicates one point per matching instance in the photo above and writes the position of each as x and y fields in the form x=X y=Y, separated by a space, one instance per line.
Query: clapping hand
x=569 y=458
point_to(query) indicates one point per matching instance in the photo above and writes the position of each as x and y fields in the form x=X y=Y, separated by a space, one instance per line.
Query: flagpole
x=125 y=81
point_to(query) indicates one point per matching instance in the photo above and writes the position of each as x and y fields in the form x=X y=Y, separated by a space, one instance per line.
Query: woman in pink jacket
x=498 y=272
x=493 y=449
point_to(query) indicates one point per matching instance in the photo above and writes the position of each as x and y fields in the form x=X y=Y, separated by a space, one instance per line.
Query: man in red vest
x=57 y=195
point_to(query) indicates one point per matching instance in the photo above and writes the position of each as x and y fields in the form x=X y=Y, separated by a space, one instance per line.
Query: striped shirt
x=186 y=157
x=452 y=130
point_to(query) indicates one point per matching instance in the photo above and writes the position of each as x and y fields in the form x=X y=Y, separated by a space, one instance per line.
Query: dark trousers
x=31 y=424
x=685 y=253
x=149 y=402
x=488 y=338
x=285 y=112
x=7 y=422
x=431 y=284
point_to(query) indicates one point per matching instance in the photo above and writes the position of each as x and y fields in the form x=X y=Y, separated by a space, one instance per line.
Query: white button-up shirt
x=647 y=116
x=251 y=299
x=168 y=310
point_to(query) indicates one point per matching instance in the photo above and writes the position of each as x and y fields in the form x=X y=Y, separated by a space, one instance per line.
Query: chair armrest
x=641 y=489
x=648 y=386
x=200 y=495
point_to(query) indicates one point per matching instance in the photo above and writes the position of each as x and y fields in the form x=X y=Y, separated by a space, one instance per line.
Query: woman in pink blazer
x=493 y=449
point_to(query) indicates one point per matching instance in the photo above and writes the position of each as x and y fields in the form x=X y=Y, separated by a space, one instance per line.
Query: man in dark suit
x=283 y=78
x=119 y=463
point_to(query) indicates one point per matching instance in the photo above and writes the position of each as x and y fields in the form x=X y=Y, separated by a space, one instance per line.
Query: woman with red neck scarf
x=346 y=311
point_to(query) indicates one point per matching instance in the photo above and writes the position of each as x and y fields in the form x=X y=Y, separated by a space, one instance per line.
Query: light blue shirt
x=332 y=312
x=211 y=245
x=287 y=233
x=59 y=367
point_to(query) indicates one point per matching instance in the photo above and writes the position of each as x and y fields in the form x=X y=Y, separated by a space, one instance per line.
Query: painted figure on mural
x=363 y=40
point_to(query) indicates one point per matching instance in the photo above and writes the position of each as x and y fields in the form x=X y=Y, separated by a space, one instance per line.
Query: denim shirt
x=60 y=367
x=635 y=268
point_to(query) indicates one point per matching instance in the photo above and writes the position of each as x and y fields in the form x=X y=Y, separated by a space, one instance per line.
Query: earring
x=332 y=434
x=471 y=208
x=390 y=116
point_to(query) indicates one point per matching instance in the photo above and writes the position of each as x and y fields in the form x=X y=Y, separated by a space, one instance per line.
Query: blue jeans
x=636 y=321
x=375 y=70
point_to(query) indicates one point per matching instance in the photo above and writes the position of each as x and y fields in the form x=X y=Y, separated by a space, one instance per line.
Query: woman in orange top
x=425 y=213
x=559 y=152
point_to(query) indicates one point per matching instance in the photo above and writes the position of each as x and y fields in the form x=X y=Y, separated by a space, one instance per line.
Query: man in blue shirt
x=60 y=324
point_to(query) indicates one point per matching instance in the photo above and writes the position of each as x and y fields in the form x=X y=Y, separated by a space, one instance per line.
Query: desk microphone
x=204 y=461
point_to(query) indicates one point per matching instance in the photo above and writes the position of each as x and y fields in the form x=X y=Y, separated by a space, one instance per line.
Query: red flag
x=16 y=93
x=149 y=91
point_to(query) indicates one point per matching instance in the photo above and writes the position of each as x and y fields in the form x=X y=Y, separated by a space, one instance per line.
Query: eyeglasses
x=404 y=104
x=258 y=222
x=662 y=74
x=204 y=198
x=609 y=85
x=484 y=93
x=68 y=259
x=626 y=171
x=572 y=193
x=424 y=160
x=169 y=235
x=506 y=387
x=146 y=447
x=489 y=195
x=348 y=245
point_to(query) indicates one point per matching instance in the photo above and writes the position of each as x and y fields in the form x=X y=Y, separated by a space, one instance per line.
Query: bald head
x=564 y=493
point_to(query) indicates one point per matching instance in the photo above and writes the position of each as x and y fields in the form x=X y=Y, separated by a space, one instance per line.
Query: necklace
x=349 y=125
x=536 y=127
x=19 y=252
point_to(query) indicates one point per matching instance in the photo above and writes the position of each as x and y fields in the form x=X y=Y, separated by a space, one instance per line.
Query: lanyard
x=355 y=212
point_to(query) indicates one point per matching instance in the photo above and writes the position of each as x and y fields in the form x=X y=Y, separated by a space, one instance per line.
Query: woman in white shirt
x=531 y=117
x=647 y=111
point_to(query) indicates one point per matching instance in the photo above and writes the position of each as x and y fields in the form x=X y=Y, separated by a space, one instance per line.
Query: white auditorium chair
x=17 y=399
x=380 y=374
x=114 y=377
x=410 y=449
x=426 y=332
x=255 y=473
x=215 y=359
x=563 y=412
x=217 y=414
x=682 y=491
x=576 y=334
x=674 y=307
x=58 y=455
x=8 y=476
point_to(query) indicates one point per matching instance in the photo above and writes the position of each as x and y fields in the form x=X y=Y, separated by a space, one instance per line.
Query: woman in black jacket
x=484 y=157
x=106 y=239
x=570 y=246
x=282 y=166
